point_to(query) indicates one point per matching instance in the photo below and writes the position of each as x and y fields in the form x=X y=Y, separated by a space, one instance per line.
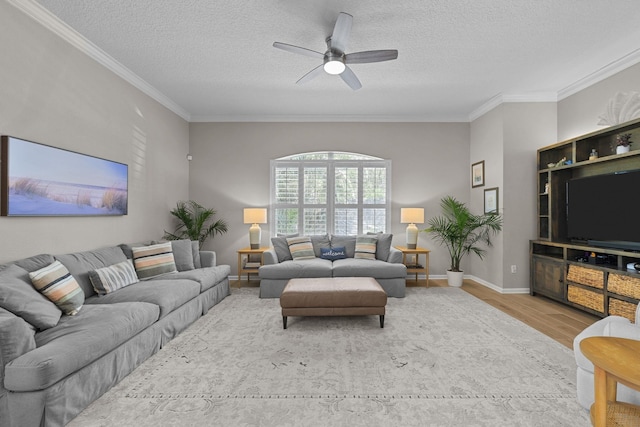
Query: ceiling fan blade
x=371 y=56
x=311 y=75
x=350 y=79
x=299 y=50
x=341 y=32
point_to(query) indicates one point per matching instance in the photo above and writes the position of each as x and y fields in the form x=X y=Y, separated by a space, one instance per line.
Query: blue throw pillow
x=332 y=253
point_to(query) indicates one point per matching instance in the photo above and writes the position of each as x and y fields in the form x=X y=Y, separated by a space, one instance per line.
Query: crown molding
x=511 y=97
x=64 y=31
x=329 y=118
x=607 y=71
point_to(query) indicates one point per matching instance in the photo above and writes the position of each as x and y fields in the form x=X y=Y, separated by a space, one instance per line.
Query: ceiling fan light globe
x=334 y=67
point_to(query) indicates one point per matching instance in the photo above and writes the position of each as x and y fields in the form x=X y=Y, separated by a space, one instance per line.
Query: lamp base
x=412 y=236
x=254 y=236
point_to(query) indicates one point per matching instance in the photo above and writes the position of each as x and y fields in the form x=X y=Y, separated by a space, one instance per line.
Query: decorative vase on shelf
x=620 y=149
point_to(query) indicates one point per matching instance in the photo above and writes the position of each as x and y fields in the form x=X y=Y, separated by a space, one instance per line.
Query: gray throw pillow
x=18 y=296
x=319 y=242
x=195 y=250
x=182 y=254
x=383 y=248
x=281 y=247
x=348 y=242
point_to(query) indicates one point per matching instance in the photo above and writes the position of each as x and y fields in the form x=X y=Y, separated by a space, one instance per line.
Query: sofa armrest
x=17 y=337
x=269 y=257
x=395 y=256
x=207 y=258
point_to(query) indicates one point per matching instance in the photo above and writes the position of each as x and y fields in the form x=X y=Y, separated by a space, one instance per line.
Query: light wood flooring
x=557 y=321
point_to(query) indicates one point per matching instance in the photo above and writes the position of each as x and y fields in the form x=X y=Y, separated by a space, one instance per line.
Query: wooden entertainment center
x=590 y=278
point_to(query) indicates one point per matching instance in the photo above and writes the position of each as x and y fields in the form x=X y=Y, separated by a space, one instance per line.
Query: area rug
x=443 y=358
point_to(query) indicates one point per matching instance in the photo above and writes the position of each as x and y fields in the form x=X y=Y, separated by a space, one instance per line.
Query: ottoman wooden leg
x=284 y=322
x=382 y=320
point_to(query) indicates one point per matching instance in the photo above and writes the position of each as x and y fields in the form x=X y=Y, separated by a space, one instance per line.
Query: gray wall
x=230 y=169
x=56 y=95
x=580 y=113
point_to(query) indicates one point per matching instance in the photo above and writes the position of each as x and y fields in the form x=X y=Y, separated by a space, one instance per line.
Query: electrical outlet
x=514 y=269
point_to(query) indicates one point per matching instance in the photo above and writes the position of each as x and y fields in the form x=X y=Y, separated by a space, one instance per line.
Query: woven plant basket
x=622 y=308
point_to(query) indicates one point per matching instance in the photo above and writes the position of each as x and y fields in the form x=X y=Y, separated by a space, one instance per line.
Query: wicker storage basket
x=586 y=276
x=622 y=308
x=586 y=298
x=624 y=285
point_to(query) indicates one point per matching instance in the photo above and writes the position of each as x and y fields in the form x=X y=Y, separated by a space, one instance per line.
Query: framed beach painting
x=477 y=174
x=40 y=180
x=491 y=200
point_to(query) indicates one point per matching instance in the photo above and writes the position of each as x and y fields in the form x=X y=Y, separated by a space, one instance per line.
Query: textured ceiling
x=215 y=60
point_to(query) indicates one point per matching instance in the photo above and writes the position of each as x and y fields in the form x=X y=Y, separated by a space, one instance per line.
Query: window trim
x=360 y=161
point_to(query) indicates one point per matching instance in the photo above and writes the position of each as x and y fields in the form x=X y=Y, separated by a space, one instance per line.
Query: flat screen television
x=604 y=210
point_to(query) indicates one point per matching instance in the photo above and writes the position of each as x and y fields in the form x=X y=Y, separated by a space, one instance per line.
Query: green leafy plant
x=194 y=223
x=461 y=231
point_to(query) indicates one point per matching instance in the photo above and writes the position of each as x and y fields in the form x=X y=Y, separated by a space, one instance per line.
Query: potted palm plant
x=194 y=223
x=462 y=232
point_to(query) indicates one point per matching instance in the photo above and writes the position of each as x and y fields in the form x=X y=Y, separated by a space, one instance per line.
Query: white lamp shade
x=411 y=215
x=255 y=216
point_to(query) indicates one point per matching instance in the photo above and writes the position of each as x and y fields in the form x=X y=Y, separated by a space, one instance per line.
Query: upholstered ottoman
x=333 y=296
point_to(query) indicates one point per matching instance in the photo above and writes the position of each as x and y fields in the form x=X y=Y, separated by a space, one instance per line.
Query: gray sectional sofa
x=279 y=266
x=50 y=374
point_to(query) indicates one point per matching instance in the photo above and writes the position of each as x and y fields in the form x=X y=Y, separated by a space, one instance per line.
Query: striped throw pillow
x=56 y=283
x=366 y=247
x=301 y=248
x=109 y=279
x=153 y=260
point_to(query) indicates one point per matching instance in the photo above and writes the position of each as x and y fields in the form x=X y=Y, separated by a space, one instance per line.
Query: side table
x=250 y=267
x=416 y=267
x=615 y=360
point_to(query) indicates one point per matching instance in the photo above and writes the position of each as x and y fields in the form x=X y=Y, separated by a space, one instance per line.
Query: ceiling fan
x=334 y=59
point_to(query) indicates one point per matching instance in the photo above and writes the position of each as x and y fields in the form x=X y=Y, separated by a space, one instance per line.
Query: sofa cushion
x=127 y=248
x=366 y=247
x=301 y=248
x=319 y=242
x=383 y=245
x=81 y=263
x=353 y=267
x=348 y=242
x=35 y=262
x=56 y=283
x=316 y=267
x=182 y=254
x=77 y=341
x=114 y=277
x=167 y=294
x=207 y=277
x=153 y=260
x=333 y=253
x=195 y=252
x=18 y=296
x=281 y=247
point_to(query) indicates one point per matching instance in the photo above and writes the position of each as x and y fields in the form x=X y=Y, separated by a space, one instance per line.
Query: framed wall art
x=477 y=174
x=491 y=205
x=40 y=180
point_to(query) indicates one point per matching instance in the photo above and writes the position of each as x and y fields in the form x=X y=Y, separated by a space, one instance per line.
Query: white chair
x=611 y=326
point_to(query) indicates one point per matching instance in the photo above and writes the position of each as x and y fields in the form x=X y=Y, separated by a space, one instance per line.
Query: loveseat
x=368 y=255
x=52 y=364
x=610 y=326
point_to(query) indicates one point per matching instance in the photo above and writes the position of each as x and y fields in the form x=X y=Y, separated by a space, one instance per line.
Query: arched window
x=330 y=192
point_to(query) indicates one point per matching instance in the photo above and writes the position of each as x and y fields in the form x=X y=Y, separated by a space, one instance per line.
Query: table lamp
x=255 y=216
x=412 y=216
